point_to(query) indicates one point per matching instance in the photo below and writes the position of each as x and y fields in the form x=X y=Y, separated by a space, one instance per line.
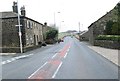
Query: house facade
x=99 y=26
x=32 y=34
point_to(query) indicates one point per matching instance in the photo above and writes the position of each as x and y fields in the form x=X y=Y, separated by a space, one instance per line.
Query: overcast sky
x=71 y=11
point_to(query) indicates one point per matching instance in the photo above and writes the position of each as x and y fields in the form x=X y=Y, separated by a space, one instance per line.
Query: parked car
x=60 y=40
x=44 y=44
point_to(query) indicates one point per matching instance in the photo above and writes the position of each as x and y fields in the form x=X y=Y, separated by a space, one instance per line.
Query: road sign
x=18 y=25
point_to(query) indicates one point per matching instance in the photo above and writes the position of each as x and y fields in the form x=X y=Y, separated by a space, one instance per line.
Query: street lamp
x=79 y=27
x=60 y=25
x=55 y=19
x=20 y=34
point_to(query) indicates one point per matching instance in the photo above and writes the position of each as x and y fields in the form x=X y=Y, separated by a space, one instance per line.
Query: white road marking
x=66 y=54
x=37 y=70
x=15 y=58
x=68 y=50
x=4 y=62
x=8 y=61
x=12 y=59
x=54 y=55
x=57 y=70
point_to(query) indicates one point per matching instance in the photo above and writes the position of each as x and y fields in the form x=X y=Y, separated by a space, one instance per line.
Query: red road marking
x=55 y=62
x=64 y=50
x=47 y=71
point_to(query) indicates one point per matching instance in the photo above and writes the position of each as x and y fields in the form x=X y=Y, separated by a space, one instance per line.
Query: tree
x=116 y=29
x=113 y=28
x=52 y=34
x=116 y=25
x=108 y=29
x=118 y=8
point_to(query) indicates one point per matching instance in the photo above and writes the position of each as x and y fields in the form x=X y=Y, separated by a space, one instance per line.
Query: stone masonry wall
x=107 y=44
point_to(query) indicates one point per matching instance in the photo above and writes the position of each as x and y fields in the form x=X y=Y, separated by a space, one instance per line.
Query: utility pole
x=55 y=22
x=79 y=26
x=79 y=31
x=55 y=19
x=20 y=34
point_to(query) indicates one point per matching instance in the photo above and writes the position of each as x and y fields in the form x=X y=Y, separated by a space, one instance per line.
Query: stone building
x=32 y=34
x=84 y=36
x=99 y=26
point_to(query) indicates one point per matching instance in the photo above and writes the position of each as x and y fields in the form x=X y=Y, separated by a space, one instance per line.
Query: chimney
x=45 y=24
x=23 y=12
x=15 y=7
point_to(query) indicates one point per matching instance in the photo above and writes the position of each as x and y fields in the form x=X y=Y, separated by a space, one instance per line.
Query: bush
x=108 y=37
x=52 y=34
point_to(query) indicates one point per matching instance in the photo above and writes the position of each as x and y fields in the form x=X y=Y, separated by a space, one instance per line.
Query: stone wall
x=17 y=49
x=91 y=37
x=107 y=44
x=10 y=36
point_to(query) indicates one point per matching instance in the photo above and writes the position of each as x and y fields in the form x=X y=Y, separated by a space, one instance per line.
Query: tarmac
x=110 y=54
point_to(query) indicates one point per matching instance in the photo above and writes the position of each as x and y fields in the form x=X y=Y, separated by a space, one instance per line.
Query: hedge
x=108 y=37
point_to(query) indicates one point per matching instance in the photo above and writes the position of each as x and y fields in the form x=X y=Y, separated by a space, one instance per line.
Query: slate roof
x=9 y=14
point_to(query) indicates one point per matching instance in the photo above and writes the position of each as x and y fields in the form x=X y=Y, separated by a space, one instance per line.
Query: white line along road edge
x=54 y=55
x=15 y=58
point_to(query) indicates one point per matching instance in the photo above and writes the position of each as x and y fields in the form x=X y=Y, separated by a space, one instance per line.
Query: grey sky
x=71 y=11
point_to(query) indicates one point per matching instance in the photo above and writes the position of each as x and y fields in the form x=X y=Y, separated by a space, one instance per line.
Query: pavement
x=110 y=54
x=8 y=53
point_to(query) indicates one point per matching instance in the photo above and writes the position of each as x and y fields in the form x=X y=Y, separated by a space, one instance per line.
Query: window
x=27 y=40
x=31 y=39
x=30 y=24
x=27 y=24
x=34 y=25
x=104 y=27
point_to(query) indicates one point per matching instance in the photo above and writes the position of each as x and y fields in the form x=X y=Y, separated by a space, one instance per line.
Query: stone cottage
x=31 y=30
x=98 y=27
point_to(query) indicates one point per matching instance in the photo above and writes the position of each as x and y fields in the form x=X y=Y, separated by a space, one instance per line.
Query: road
x=70 y=59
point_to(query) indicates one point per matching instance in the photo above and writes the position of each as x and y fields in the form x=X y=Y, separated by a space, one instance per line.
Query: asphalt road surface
x=70 y=59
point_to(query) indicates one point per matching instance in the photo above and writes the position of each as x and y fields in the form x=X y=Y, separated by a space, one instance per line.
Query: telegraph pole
x=20 y=34
x=79 y=30
x=79 y=26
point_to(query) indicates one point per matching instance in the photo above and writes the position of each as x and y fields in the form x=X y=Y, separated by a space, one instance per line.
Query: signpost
x=20 y=34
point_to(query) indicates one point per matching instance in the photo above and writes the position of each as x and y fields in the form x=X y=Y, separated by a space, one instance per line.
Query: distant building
x=84 y=36
x=32 y=34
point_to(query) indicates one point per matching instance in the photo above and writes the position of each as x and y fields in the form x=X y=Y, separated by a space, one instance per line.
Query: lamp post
x=60 y=24
x=79 y=27
x=55 y=22
x=55 y=19
x=79 y=30
x=20 y=34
